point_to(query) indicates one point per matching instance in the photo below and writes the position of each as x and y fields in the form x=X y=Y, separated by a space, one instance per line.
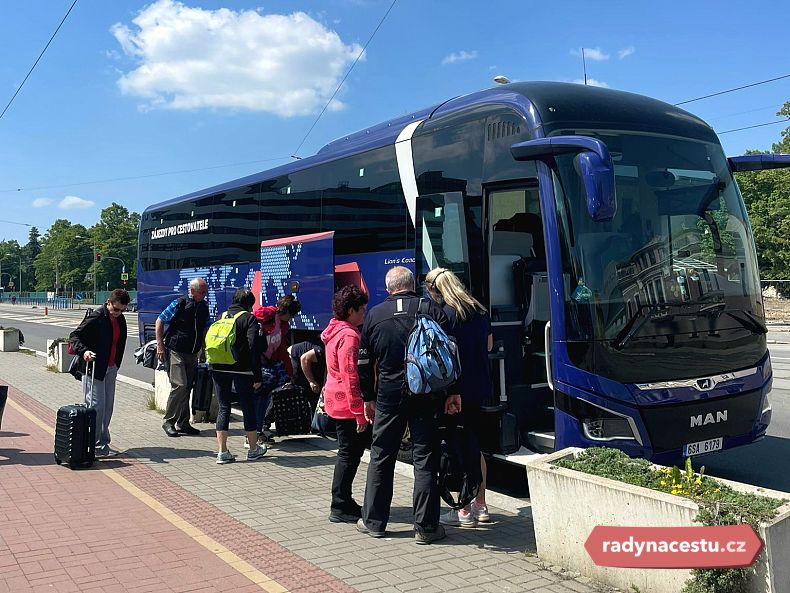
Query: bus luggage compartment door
x=304 y=267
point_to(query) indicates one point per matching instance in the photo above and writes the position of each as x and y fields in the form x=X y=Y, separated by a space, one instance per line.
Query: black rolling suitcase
x=291 y=410
x=203 y=389
x=75 y=434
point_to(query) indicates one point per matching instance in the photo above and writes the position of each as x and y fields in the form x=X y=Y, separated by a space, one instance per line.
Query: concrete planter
x=9 y=340
x=58 y=358
x=568 y=504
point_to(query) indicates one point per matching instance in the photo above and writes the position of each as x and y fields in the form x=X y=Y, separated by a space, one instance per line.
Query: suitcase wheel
x=57 y=460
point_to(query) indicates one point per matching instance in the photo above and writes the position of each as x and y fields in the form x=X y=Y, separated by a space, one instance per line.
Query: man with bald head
x=390 y=408
x=187 y=319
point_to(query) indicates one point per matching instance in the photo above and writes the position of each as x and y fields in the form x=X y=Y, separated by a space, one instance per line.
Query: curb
x=122 y=378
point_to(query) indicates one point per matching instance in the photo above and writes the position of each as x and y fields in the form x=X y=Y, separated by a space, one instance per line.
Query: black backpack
x=456 y=472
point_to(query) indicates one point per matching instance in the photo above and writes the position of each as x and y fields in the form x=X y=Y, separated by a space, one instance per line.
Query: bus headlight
x=606 y=429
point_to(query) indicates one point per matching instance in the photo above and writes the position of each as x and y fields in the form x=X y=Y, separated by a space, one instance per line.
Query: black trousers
x=421 y=413
x=350 y=446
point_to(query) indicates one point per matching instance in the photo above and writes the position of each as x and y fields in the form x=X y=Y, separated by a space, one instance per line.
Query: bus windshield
x=679 y=247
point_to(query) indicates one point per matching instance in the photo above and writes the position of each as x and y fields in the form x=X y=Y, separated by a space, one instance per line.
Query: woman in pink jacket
x=343 y=397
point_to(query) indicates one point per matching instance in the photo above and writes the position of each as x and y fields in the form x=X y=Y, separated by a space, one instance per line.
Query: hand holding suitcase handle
x=89 y=356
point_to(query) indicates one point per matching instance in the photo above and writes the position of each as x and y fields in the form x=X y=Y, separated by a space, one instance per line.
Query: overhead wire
x=381 y=22
x=739 y=88
x=160 y=174
x=33 y=67
x=769 y=123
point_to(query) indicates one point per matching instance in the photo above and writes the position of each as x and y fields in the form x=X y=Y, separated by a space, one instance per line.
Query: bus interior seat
x=525 y=222
x=507 y=247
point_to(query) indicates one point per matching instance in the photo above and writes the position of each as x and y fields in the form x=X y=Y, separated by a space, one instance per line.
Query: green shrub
x=718 y=504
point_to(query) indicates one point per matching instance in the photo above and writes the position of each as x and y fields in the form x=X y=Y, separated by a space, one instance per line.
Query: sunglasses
x=116 y=309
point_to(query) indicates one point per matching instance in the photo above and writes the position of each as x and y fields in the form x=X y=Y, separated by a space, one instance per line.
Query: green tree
x=29 y=254
x=116 y=239
x=767 y=198
x=784 y=145
x=9 y=265
x=63 y=260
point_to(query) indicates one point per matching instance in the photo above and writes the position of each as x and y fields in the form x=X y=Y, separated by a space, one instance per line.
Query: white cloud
x=73 y=202
x=459 y=56
x=591 y=53
x=191 y=58
x=626 y=51
x=592 y=82
x=41 y=202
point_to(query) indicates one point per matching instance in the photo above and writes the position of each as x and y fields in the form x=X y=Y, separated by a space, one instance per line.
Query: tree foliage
x=9 y=264
x=63 y=259
x=29 y=254
x=767 y=198
x=116 y=239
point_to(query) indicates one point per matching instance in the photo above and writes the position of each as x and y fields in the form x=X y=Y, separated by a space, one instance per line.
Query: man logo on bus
x=704 y=384
x=700 y=420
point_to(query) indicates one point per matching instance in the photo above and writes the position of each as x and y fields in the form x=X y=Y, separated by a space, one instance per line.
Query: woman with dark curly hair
x=343 y=397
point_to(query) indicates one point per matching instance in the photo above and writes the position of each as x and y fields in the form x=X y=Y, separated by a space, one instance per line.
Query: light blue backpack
x=432 y=362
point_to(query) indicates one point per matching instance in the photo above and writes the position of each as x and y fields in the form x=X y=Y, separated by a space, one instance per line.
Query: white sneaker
x=225 y=457
x=457 y=519
x=480 y=512
x=256 y=453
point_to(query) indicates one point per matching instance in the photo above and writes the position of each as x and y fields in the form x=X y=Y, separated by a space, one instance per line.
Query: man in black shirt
x=390 y=407
x=187 y=320
x=309 y=364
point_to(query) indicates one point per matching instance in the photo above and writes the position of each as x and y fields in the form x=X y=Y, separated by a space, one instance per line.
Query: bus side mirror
x=758 y=162
x=598 y=178
x=595 y=164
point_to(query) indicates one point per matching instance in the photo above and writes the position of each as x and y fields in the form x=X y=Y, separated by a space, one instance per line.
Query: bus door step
x=542 y=442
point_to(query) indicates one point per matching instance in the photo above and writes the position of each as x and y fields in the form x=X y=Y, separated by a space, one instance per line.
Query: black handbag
x=76 y=368
x=322 y=424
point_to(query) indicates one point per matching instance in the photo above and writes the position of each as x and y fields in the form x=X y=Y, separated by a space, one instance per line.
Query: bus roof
x=560 y=106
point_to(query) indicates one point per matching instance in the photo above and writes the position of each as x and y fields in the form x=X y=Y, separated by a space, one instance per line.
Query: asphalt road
x=763 y=463
x=58 y=324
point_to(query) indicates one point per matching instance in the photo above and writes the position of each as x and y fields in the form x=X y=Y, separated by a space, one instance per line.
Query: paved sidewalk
x=165 y=517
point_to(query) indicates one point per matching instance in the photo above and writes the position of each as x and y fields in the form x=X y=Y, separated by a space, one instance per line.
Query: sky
x=138 y=102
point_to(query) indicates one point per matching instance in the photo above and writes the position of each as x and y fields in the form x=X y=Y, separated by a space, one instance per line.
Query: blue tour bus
x=603 y=229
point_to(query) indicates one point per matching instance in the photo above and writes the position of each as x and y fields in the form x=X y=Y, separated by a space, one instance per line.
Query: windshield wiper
x=750 y=322
x=635 y=323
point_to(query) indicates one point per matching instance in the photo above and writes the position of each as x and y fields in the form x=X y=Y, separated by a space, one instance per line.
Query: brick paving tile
x=271 y=514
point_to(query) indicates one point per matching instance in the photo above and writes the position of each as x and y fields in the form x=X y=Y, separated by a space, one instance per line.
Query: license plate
x=702 y=447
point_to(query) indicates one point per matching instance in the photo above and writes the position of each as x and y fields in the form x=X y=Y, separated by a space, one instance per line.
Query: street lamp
x=94 y=264
x=10 y=279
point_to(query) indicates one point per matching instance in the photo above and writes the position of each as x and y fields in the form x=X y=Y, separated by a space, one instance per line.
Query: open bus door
x=303 y=266
x=518 y=297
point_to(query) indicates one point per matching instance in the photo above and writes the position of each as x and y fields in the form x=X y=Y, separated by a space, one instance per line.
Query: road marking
x=243 y=567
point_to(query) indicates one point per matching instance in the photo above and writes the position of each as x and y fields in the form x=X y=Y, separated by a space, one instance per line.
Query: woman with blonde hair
x=471 y=328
